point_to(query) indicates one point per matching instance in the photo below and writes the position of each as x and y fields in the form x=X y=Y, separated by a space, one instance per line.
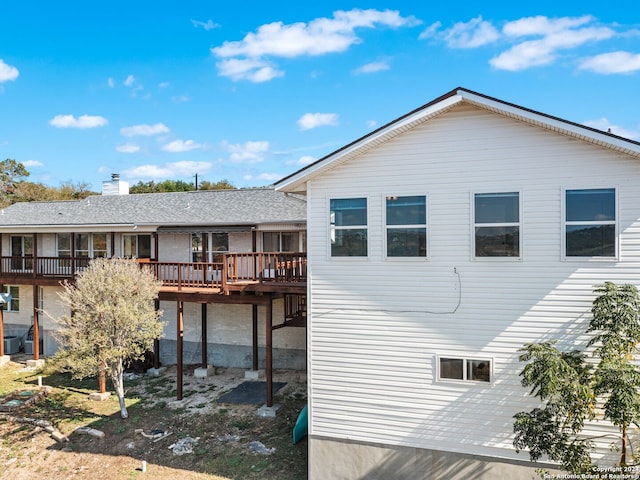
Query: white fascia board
x=296 y=182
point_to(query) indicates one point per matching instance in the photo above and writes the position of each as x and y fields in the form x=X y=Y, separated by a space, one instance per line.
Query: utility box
x=11 y=345
x=28 y=347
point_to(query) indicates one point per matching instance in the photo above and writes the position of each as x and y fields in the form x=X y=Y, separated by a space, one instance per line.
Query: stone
x=156 y=372
x=4 y=359
x=37 y=364
x=254 y=374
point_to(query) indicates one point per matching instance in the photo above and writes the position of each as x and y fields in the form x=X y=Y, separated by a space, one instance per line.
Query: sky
x=250 y=92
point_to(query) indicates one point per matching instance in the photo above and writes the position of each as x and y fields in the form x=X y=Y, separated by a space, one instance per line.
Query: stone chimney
x=115 y=186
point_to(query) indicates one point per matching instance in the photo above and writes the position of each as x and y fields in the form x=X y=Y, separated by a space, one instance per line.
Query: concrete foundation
x=254 y=374
x=156 y=372
x=346 y=459
x=37 y=364
x=269 y=412
x=202 y=372
x=99 y=397
x=231 y=356
x=4 y=359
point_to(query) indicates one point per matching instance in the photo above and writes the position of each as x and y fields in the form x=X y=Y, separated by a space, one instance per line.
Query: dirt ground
x=165 y=439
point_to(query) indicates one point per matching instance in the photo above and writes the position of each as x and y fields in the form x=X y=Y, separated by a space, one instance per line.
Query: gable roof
x=296 y=182
x=203 y=207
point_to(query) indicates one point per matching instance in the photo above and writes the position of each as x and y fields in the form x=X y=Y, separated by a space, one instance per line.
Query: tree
x=574 y=390
x=113 y=320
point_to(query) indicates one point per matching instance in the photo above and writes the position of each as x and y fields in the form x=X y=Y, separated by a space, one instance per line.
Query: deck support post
x=36 y=326
x=1 y=331
x=156 y=342
x=254 y=342
x=203 y=320
x=179 y=340
x=269 y=355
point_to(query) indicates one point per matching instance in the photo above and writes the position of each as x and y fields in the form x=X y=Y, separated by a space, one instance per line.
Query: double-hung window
x=406 y=223
x=497 y=224
x=348 y=227
x=138 y=246
x=590 y=223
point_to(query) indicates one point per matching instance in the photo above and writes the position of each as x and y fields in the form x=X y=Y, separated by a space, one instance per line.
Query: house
x=231 y=262
x=438 y=245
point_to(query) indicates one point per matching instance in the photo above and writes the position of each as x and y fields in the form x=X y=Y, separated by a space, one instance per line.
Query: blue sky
x=252 y=91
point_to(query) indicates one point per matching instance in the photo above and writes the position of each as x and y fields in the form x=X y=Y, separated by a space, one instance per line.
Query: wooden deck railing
x=235 y=268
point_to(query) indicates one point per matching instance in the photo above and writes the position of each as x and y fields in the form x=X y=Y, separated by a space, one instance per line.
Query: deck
x=257 y=272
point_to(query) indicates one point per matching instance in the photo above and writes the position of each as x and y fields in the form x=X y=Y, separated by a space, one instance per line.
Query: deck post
x=36 y=326
x=255 y=337
x=156 y=342
x=269 y=347
x=203 y=329
x=179 y=339
x=1 y=330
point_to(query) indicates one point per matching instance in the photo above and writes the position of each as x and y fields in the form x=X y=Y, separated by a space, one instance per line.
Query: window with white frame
x=464 y=369
x=348 y=227
x=13 y=305
x=590 y=223
x=406 y=224
x=497 y=224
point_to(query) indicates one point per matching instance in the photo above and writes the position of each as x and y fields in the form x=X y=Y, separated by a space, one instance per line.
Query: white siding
x=376 y=325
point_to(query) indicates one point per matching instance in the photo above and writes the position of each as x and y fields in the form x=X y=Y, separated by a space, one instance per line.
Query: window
x=497 y=224
x=209 y=247
x=87 y=245
x=464 y=369
x=348 y=219
x=138 y=246
x=280 y=242
x=590 y=223
x=406 y=219
x=12 y=305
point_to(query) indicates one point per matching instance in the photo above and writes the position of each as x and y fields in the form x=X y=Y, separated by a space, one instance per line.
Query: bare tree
x=113 y=320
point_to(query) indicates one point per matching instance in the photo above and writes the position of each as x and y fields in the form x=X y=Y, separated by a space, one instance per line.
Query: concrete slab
x=35 y=363
x=254 y=374
x=269 y=412
x=99 y=397
x=4 y=359
x=202 y=372
x=156 y=372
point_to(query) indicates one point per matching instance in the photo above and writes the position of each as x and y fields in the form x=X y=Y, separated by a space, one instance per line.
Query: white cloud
x=83 y=121
x=128 y=148
x=167 y=171
x=144 y=130
x=606 y=126
x=372 y=67
x=318 y=37
x=613 y=62
x=110 y=82
x=163 y=84
x=208 y=25
x=556 y=34
x=305 y=160
x=248 y=152
x=129 y=81
x=181 y=146
x=251 y=69
x=180 y=99
x=474 y=33
x=32 y=163
x=313 y=120
x=7 y=72
x=269 y=177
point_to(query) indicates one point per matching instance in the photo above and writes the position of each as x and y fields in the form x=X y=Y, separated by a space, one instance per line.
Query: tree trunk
x=117 y=378
x=623 y=456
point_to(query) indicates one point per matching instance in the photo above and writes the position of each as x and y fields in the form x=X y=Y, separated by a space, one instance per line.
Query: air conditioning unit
x=11 y=345
x=28 y=347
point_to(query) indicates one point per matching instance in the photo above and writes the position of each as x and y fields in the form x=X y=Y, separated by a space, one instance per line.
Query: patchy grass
x=223 y=431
